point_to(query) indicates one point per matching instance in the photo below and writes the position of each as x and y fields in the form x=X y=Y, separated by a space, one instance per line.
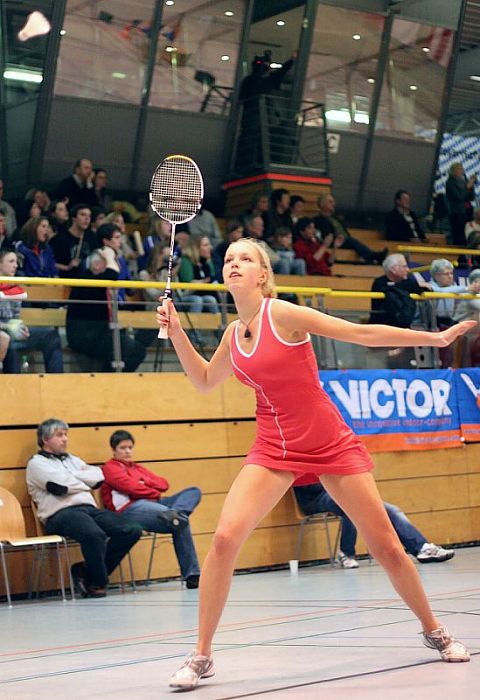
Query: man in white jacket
x=60 y=485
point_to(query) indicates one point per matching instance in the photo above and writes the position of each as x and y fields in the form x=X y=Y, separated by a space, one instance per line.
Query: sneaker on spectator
x=191 y=671
x=12 y=292
x=450 y=649
x=347 y=562
x=431 y=552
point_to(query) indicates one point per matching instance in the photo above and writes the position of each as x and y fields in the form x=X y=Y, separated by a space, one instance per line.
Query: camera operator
x=262 y=80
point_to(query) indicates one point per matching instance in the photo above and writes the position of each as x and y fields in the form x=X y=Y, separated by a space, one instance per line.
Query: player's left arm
x=296 y=321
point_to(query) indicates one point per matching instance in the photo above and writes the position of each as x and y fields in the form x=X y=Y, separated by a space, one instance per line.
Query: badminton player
x=298 y=430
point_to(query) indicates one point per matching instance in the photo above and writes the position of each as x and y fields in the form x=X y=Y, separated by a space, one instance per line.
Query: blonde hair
x=268 y=287
x=453 y=167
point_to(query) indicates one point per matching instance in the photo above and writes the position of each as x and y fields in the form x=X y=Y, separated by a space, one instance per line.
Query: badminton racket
x=176 y=194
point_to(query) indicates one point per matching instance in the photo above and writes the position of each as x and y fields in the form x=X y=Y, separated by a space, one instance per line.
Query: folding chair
x=40 y=530
x=324 y=519
x=13 y=537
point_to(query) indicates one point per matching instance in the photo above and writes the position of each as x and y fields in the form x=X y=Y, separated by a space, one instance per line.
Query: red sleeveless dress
x=299 y=429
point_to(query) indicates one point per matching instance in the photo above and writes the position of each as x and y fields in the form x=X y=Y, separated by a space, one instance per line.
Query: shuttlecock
x=36 y=25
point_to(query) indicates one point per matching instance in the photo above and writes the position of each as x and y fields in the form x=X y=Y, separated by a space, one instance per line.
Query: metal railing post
x=117 y=363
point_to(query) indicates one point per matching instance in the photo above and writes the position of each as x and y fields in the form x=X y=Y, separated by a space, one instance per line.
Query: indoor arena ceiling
x=464 y=110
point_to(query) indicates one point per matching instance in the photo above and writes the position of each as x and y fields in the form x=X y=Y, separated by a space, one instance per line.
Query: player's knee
x=224 y=542
x=388 y=552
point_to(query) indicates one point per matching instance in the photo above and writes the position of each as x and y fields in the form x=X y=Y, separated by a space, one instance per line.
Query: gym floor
x=323 y=632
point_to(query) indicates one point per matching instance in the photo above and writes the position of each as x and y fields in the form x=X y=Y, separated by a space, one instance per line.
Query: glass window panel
x=103 y=53
x=414 y=80
x=343 y=64
x=197 y=54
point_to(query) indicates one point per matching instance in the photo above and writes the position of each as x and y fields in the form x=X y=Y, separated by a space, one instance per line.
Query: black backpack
x=400 y=308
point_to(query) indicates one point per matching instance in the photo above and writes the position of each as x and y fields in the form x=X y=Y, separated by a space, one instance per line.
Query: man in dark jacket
x=402 y=224
x=78 y=188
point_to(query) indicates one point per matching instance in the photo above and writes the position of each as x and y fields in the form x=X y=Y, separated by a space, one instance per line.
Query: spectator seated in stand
x=60 y=485
x=58 y=216
x=196 y=265
x=5 y=241
x=473 y=227
x=98 y=218
x=297 y=207
x=8 y=212
x=100 y=180
x=313 y=498
x=233 y=232
x=36 y=254
x=282 y=244
x=127 y=244
x=279 y=213
x=319 y=255
x=205 y=224
x=402 y=224
x=443 y=280
x=260 y=206
x=138 y=493
x=159 y=234
x=156 y=271
x=78 y=188
x=22 y=338
x=109 y=236
x=327 y=223
x=397 y=308
x=465 y=310
x=73 y=247
x=254 y=228
x=88 y=323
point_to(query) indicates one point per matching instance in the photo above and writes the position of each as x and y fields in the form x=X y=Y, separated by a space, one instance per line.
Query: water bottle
x=24 y=365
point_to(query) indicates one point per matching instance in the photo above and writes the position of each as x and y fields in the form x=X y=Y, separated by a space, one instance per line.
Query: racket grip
x=163 y=330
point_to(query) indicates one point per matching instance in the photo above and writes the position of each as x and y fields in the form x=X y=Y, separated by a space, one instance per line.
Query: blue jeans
x=46 y=340
x=199 y=302
x=146 y=513
x=409 y=536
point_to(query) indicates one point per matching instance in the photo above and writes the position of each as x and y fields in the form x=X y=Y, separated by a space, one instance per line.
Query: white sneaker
x=191 y=671
x=431 y=552
x=450 y=648
x=347 y=562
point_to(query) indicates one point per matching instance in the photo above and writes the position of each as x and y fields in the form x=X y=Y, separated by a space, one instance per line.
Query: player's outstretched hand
x=167 y=317
x=448 y=336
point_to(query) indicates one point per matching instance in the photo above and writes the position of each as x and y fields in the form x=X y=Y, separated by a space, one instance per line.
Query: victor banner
x=402 y=409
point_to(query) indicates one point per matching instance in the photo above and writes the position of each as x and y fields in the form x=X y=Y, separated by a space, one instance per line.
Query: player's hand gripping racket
x=176 y=194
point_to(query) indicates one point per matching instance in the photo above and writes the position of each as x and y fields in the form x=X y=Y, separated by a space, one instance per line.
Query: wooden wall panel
x=438 y=489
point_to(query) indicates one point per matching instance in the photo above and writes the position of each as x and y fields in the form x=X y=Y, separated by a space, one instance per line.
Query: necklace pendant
x=247 y=333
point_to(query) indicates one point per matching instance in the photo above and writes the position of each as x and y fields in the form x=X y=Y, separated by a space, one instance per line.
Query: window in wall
x=104 y=50
x=197 y=54
x=343 y=64
x=414 y=80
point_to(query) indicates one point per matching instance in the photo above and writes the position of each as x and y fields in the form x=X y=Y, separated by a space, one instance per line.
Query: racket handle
x=163 y=330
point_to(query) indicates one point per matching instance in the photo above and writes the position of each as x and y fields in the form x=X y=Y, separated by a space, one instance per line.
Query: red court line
x=163 y=634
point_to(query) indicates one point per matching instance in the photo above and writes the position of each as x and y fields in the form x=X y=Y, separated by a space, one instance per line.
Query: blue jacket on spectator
x=38 y=261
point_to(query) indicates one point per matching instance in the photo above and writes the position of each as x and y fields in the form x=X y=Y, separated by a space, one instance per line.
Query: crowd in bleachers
x=82 y=232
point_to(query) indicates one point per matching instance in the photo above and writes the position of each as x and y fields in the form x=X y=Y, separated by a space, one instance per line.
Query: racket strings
x=176 y=190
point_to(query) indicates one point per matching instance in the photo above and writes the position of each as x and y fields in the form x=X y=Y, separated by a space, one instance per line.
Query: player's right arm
x=205 y=375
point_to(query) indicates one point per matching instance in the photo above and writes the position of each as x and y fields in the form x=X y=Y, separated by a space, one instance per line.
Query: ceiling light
x=425 y=49
x=225 y=58
x=338 y=115
x=475 y=77
x=228 y=13
x=23 y=75
x=119 y=76
x=370 y=80
x=413 y=87
x=356 y=37
x=280 y=23
x=63 y=32
x=170 y=49
x=169 y=2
